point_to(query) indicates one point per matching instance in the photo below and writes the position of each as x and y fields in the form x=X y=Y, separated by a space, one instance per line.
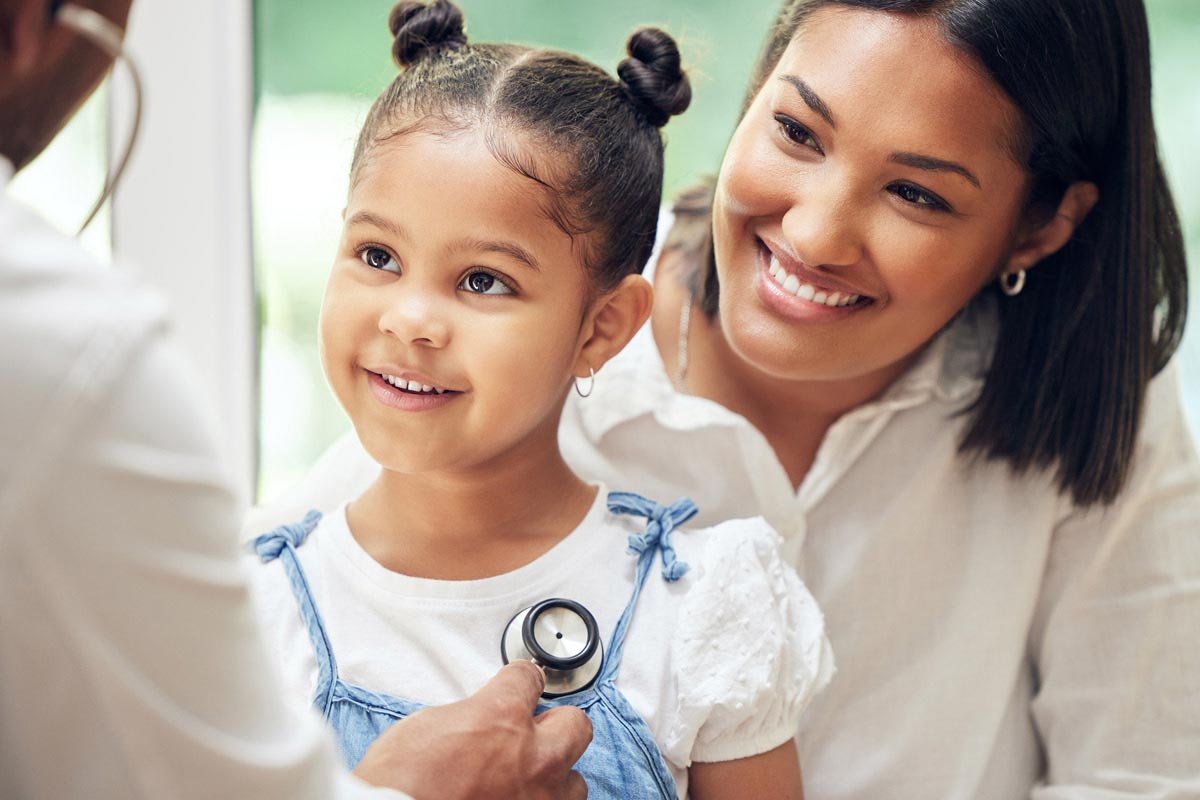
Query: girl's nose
x=415 y=316
x=823 y=225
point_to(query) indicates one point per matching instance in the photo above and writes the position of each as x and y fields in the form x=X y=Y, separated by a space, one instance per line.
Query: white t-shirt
x=720 y=663
x=993 y=641
x=130 y=662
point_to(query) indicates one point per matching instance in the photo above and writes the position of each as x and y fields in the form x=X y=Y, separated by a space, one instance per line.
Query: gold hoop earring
x=1011 y=283
x=591 y=384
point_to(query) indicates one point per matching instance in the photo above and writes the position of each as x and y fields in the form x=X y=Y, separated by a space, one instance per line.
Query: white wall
x=181 y=215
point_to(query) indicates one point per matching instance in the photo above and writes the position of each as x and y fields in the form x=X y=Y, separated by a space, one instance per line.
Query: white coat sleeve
x=134 y=550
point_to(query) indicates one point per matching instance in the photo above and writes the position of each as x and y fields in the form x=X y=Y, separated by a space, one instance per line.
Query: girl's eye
x=796 y=133
x=480 y=282
x=918 y=197
x=379 y=258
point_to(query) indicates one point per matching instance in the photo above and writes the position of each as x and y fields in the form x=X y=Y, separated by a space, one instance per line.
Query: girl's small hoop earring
x=591 y=384
x=1011 y=283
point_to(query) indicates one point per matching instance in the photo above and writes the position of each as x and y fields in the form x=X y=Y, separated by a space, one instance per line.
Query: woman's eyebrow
x=935 y=165
x=814 y=101
x=810 y=98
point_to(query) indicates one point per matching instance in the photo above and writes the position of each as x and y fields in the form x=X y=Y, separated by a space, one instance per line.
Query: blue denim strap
x=281 y=544
x=661 y=520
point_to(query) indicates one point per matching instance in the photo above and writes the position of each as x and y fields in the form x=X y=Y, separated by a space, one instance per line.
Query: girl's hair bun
x=653 y=77
x=421 y=28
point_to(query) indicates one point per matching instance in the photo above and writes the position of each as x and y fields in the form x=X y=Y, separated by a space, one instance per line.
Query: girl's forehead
x=443 y=185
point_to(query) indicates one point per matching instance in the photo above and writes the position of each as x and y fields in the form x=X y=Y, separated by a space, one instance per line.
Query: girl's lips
x=403 y=400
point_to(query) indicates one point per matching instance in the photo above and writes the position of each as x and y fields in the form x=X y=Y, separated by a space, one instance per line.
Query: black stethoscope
x=560 y=636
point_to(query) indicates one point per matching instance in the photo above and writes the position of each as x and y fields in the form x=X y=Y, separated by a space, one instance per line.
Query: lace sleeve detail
x=749 y=650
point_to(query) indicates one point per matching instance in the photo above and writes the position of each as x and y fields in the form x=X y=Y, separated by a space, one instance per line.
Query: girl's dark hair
x=593 y=141
x=1076 y=349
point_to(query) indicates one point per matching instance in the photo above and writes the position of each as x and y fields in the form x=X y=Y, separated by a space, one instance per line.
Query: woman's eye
x=918 y=197
x=484 y=283
x=379 y=258
x=797 y=133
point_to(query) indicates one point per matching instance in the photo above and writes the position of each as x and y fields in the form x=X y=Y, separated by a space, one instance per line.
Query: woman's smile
x=796 y=291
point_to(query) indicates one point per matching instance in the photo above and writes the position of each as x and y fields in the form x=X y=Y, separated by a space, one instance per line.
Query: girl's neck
x=474 y=523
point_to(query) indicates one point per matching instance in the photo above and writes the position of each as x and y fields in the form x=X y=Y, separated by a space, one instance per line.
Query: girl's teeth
x=412 y=386
x=792 y=285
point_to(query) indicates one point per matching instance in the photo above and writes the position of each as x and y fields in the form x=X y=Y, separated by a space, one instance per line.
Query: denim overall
x=622 y=761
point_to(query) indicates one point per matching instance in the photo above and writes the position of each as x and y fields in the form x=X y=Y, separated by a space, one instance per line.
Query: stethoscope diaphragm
x=561 y=636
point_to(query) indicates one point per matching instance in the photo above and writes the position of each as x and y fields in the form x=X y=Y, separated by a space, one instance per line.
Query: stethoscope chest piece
x=560 y=636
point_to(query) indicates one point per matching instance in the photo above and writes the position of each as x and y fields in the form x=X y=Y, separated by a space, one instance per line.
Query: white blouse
x=720 y=663
x=993 y=640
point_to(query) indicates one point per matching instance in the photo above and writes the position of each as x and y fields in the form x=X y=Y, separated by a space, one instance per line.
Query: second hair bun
x=420 y=28
x=653 y=75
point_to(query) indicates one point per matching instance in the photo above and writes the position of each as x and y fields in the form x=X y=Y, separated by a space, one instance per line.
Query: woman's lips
x=795 y=292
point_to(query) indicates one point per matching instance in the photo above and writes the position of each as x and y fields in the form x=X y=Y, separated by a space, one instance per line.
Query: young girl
x=502 y=199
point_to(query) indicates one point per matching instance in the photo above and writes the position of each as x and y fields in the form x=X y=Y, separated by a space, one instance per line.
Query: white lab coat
x=130 y=664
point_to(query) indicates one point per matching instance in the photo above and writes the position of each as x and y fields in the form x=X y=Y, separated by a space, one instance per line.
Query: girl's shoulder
x=749 y=648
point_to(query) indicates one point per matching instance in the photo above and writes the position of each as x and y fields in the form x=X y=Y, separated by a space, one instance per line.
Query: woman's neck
x=473 y=523
x=793 y=415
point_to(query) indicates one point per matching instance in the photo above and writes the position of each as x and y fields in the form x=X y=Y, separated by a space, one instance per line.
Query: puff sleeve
x=749 y=650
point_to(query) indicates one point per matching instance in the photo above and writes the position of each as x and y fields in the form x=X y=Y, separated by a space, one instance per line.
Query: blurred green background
x=320 y=64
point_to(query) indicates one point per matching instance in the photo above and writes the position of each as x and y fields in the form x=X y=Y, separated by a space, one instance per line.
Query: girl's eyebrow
x=814 y=101
x=374 y=220
x=510 y=249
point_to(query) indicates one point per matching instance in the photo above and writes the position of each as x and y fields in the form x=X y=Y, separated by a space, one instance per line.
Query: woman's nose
x=415 y=315
x=823 y=225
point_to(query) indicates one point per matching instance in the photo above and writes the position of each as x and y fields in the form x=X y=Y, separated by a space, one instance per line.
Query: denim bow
x=270 y=545
x=662 y=520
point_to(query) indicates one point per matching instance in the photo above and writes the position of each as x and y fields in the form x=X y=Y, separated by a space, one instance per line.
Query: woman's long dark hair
x=1076 y=349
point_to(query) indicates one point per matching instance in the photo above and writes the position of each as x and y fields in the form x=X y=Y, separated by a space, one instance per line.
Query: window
x=320 y=65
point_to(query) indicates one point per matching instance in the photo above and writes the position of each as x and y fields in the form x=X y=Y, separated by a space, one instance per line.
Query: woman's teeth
x=412 y=386
x=806 y=291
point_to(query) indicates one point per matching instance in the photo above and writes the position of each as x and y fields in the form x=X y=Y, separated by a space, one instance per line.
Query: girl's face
x=452 y=316
x=867 y=195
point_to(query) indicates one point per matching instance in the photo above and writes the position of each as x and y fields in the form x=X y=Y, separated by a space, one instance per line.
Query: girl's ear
x=1046 y=238
x=611 y=322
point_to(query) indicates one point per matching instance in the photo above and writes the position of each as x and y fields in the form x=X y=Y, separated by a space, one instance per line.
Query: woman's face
x=868 y=194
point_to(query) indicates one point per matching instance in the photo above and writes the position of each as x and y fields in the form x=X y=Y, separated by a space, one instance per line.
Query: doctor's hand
x=487 y=747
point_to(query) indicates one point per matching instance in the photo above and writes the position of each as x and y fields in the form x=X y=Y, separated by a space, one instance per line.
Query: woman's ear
x=611 y=322
x=1048 y=237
